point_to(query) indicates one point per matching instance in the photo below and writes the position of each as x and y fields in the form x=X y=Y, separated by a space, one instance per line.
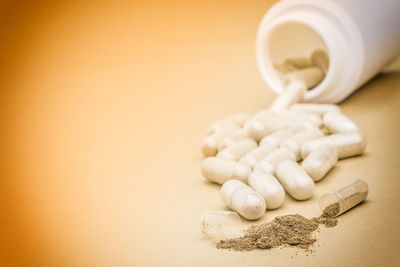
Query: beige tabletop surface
x=103 y=107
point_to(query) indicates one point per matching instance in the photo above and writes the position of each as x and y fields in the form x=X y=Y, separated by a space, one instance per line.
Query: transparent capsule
x=219 y=224
x=343 y=198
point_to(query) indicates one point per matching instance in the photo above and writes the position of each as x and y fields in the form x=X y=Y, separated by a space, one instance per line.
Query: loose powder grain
x=328 y=215
x=289 y=230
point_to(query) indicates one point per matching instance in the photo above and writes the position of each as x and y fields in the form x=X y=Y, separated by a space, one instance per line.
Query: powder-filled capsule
x=319 y=162
x=293 y=93
x=258 y=153
x=337 y=122
x=344 y=197
x=295 y=180
x=268 y=187
x=237 y=119
x=237 y=150
x=243 y=199
x=219 y=171
x=295 y=143
x=209 y=145
x=347 y=144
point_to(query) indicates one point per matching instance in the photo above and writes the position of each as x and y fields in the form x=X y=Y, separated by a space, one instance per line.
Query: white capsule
x=319 y=162
x=300 y=116
x=209 y=145
x=256 y=123
x=320 y=109
x=269 y=163
x=347 y=144
x=278 y=137
x=268 y=187
x=232 y=138
x=293 y=93
x=255 y=155
x=297 y=63
x=227 y=190
x=337 y=122
x=262 y=115
x=259 y=130
x=242 y=199
x=311 y=76
x=238 y=119
x=265 y=166
x=296 y=142
x=237 y=150
x=281 y=69
x=219 y=171
x=320 y=59
x=295 y=180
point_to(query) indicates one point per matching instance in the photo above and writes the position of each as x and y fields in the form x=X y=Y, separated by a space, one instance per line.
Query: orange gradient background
x=103 y=106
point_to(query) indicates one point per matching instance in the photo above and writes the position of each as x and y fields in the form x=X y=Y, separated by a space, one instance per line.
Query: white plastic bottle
x=361 y=37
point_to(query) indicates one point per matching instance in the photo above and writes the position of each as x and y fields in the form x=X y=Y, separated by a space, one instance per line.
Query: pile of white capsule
x=286 y=147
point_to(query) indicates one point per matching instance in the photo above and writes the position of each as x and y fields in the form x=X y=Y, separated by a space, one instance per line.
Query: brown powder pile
x=289 y=230
x=328 y=216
